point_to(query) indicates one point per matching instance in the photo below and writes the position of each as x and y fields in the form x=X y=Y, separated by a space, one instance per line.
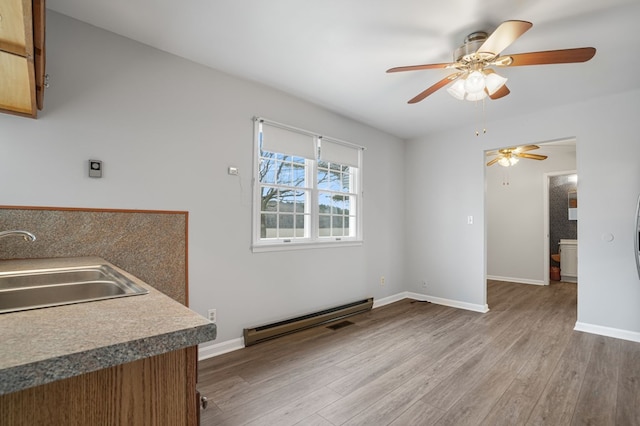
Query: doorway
x=516 y=213
x=560 y=189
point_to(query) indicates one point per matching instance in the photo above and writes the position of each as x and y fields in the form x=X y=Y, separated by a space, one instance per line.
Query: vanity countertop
x=44 y=345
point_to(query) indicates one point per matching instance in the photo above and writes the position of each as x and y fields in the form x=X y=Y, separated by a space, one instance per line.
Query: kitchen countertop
x=44 y=345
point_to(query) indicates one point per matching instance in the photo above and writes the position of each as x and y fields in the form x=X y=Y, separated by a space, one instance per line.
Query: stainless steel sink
x=43 y=288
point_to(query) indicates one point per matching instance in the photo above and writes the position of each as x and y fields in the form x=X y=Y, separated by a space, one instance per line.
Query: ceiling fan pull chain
x=505 y=178
x=484 y=118
x=480 y=120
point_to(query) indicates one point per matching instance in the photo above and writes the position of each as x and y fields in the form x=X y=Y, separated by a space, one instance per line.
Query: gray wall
x=451 y=255
x=167 y=130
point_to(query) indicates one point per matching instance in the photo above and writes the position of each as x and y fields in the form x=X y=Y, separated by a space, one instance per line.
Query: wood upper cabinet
x=22 y=56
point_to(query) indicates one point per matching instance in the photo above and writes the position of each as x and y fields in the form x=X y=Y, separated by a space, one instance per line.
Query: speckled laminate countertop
x=44 y=345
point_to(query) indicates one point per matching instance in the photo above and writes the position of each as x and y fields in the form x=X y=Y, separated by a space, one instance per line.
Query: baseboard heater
x=271 y=331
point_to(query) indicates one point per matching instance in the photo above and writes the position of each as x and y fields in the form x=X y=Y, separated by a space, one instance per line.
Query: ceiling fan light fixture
x=457 y=89
x=504 y=162
x=494 y=82
x=508 y=160
x=478 y=96
x=475 y=82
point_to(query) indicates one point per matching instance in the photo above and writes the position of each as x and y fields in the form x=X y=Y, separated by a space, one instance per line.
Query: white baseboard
x=208 y=351
x=617 y=333
x=453 y=303
x=515 y=280
x=211 y=350
x=389 y=299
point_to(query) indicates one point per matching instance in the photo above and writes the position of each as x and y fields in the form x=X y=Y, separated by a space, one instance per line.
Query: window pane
x=335 y=181
x=299 y=202
x=336 y=229
x=300 y=226
x=324 y=202
x=339 y=204
x=284 y=173
x=268 y=225
x=299 y=175
x=324 y=226
x=323 y=178
x=269 y=199
x=267 y=170
x=346 y=182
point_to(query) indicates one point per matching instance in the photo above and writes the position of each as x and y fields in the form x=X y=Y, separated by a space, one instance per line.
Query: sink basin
x=43 y=288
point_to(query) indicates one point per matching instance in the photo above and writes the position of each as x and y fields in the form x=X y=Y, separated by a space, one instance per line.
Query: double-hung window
x=307 y=189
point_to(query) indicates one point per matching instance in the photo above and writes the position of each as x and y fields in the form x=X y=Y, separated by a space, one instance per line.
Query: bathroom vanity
x=128 y=360
x=569 y=260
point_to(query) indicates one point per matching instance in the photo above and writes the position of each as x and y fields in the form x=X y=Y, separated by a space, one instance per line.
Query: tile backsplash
x=152 y=245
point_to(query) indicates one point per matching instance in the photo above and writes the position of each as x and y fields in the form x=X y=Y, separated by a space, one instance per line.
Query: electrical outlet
x=212 y=315
x=382 y=280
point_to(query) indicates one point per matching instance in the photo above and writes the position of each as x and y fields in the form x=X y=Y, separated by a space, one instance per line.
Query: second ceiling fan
x=510 y=156
x=474 y=77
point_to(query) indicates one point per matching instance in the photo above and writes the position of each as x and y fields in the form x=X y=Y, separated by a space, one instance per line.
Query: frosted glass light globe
x=474 y=83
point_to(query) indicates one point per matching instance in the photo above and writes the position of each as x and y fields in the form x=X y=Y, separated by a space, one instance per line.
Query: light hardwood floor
x=415 y=363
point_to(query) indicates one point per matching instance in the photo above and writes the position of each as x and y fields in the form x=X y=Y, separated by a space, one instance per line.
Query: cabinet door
x=569 y=260
x=22 y=56
x=159 y=390
x=16 y=31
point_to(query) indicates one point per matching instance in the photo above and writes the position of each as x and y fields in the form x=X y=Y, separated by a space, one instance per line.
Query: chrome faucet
x=28 y=236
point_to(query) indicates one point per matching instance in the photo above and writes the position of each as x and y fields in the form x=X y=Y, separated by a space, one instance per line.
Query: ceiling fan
x=475 y=78
x=510 y=156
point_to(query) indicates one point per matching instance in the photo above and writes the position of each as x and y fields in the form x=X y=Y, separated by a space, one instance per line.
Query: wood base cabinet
x=159 y=390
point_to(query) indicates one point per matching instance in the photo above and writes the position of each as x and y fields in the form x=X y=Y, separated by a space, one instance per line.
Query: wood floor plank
x=314 y=420
x=429 y=369
x=466 y=375
x=411 y=363
x=257 y=402
x=517 y=402
x=597 y=400
x=419 y=414
x=369 y=395
x=477 y=401
x=298 y=410
x=628 y=400
x=557 y=403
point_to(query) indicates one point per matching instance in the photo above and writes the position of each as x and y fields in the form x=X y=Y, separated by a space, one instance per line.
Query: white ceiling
x=335 y=52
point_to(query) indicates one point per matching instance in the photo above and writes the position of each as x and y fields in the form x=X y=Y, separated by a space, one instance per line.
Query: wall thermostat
x=95 y=168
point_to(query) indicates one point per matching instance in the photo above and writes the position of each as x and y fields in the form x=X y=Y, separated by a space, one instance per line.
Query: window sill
x=281 y=246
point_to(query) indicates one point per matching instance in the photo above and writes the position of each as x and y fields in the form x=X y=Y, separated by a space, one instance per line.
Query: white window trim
x=313 y=242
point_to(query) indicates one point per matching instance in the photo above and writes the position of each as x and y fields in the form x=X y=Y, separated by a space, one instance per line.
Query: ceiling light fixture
x=507 y=161
x=476 y=85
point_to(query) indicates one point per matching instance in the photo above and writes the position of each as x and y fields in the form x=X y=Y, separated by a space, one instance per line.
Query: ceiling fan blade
x=494 y=161
x=527 y=148
x=532 y=156
x=419 y=67
x=503 y=36
x=439 y=85
x=500 y=93
x=562 y=56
